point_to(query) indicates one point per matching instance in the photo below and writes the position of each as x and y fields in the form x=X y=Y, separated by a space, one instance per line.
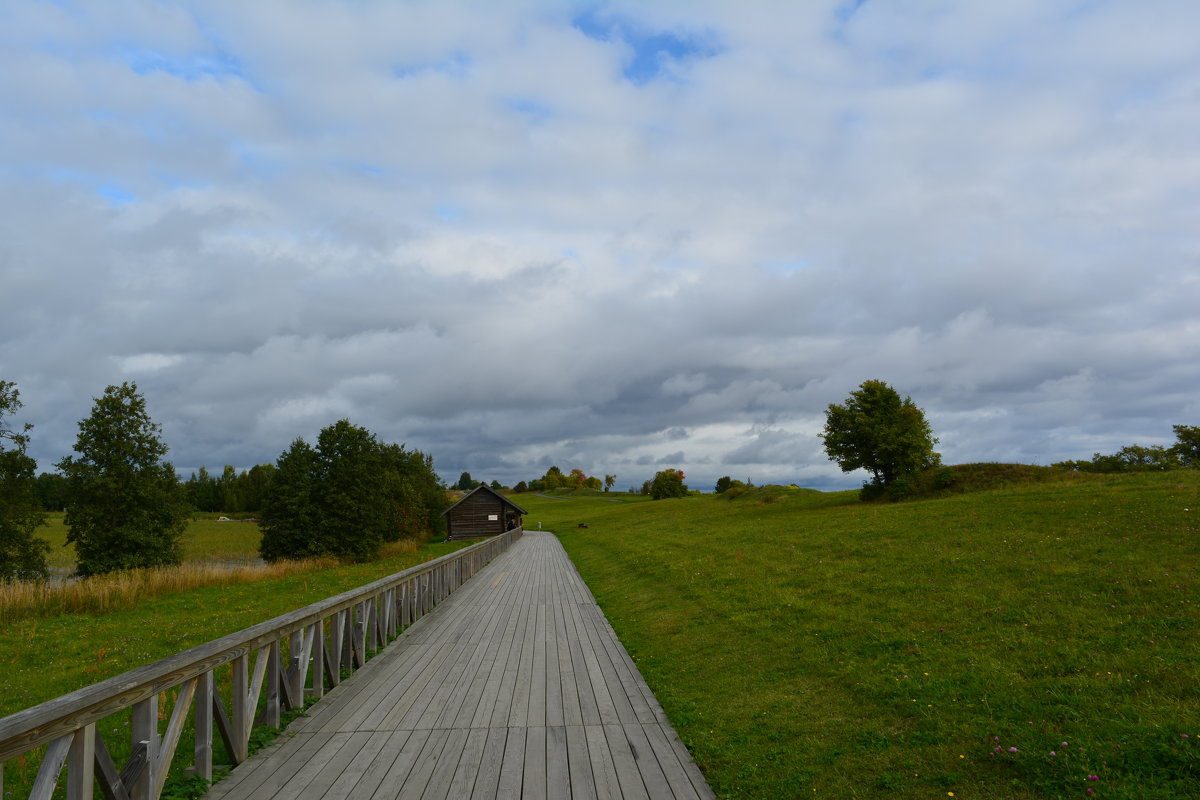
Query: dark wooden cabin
x=482 y=512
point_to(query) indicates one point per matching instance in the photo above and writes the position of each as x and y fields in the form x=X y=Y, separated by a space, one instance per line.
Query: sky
x=617 y=237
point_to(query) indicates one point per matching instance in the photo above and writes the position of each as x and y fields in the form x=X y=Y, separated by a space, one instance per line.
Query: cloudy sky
x=615 y=236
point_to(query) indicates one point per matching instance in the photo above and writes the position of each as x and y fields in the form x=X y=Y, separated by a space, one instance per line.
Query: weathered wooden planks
x=516 y=686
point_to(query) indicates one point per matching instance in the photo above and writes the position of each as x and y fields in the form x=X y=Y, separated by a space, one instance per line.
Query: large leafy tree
x=125 y=505
x=878 y=431
x=668 y=483
x=348 y=495
x=22 y=554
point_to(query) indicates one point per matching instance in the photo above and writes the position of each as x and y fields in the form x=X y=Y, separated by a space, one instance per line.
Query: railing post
x=81 y=764
x=144 y=731
x=271 y=710
x=348 y=640
x=202 y=764
x=239 y=712
x=318 y=658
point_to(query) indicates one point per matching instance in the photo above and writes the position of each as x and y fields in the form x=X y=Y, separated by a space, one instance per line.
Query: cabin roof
x=483 y=487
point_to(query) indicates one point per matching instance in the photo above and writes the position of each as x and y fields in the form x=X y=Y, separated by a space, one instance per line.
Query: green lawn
x=811 y=645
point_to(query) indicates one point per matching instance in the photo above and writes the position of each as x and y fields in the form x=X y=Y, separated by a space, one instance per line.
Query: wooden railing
x=297 y=656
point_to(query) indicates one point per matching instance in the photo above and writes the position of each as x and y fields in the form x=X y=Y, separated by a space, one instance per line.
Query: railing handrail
x=51 y=719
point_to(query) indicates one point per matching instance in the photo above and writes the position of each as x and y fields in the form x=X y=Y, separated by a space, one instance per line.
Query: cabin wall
x=472 y=517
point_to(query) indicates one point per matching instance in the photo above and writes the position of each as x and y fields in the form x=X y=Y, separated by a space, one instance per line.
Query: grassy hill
x=1039 y=640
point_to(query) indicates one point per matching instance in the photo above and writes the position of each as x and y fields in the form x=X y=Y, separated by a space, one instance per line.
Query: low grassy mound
x=1035 y=640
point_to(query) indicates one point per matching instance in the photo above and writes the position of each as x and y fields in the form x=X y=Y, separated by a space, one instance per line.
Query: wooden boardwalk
x=515 y=686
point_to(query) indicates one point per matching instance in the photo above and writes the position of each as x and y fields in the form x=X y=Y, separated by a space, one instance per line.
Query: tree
x=609 y=482
x=877 y=431
x=668 y=483
x=125 y=506
x=347 y=496
x=22 y=554
x=415 y=492
x=291 y=517
x=465 y=482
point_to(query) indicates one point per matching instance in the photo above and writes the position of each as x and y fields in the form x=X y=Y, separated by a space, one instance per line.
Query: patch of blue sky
x=528 y=107
x=255 y=162
x=653 y=51
x=448 y=212
x=115 y=196
x=360 y=167
x=457 y=65
x=113 y=193
x=191 y=68
x=572 y=254
x=846 y=11
x=785 y=267
x=172 y=182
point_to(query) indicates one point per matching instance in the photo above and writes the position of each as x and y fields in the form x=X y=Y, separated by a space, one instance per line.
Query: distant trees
x=125 y=506
x=233 y=491
x=1155 y=458
x=878 y=431
x=51 y=490
x=347 y=496
x=22 y=554
x=465 y=482
x=555 y=479
x=609 y=482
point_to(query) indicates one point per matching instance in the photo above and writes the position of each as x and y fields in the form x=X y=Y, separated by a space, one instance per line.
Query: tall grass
x=127 y=589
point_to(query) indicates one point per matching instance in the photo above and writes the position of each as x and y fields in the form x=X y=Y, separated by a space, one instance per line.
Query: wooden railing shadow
x=296 y=656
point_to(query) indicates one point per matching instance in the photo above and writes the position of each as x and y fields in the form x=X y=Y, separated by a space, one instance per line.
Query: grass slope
x=1039 y=641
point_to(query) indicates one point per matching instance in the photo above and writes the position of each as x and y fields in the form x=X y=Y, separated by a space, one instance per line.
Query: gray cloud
x=475 y=230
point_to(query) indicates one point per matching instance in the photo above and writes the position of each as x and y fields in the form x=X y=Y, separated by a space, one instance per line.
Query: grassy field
x=206 y=539
x=1040 y=641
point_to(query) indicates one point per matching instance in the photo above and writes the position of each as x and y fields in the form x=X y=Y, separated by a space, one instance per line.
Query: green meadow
x=206 y=539
x=1038 y=641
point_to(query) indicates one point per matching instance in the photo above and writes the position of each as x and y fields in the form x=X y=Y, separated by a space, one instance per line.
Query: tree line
x=126 y=507
x=1183 y=454
x=554 y=478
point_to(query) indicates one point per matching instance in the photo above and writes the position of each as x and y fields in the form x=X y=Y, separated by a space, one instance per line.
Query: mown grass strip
x=1032 y=642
